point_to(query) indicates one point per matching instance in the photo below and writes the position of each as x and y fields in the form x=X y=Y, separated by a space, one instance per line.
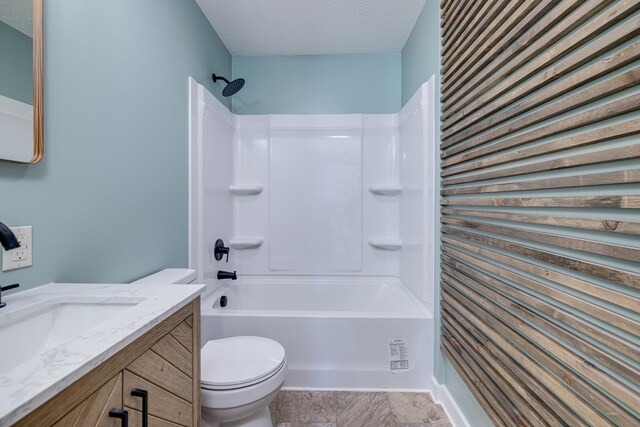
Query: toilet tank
x=169 y=276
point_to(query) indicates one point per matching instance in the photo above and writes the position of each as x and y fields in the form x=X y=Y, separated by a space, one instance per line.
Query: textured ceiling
x=312 y=27
x=18 y=14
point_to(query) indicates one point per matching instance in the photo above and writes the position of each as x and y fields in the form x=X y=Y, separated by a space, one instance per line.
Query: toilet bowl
x=240 y=376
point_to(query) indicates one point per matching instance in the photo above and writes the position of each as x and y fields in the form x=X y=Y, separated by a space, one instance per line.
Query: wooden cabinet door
x=94 y=410
x=166 y=372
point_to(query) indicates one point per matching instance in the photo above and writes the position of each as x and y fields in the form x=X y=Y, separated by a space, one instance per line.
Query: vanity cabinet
x=94 y=410
x=156 y=377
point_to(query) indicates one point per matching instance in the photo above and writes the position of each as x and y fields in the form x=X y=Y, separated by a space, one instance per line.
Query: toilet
x=239 y=377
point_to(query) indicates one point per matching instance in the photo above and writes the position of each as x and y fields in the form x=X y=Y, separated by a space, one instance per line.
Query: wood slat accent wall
x=540 y=158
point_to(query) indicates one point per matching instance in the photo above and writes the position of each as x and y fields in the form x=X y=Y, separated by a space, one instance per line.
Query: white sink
x=32 y=330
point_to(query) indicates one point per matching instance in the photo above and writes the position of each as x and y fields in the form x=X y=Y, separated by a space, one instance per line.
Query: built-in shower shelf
x=246 y=190
x=386 y=189
x=245 y=242
x=389 y=244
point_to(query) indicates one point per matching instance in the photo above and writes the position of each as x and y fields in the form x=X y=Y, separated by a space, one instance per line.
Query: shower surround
x=314 y=198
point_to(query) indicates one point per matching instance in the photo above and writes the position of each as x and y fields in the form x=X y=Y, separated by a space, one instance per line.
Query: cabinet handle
x=137 y=392
x=121 y=414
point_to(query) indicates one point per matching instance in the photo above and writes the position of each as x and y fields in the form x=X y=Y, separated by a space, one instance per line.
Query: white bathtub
x=338 y=332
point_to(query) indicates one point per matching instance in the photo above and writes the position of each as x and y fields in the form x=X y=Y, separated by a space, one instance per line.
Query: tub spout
x=227 y=275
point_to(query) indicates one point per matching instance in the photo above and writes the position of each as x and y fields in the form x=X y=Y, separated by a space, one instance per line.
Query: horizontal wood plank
x=539 y=271
x=526 y=355
x=516 y=301
x=593 y=115
x=588 y=95
x=605 y=225
x=476 y=27
x=628 y=152
x=526 y=65
x=483 y=390
x=564 y=18
x=614 y=131
x=602 y=271
x=593 y=310
x=631 y=176
x=500 y=378
x=484 y=344
x=586 y=379
x=498 y=24
x=517 y=18
x=480 y=114
x=623 y=202
x=495 y=413
x=620 y=299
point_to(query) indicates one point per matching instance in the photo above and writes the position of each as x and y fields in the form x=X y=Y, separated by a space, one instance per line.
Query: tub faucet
x=227 y=275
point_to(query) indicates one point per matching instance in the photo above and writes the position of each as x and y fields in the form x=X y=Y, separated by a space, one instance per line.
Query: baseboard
x=442 y=396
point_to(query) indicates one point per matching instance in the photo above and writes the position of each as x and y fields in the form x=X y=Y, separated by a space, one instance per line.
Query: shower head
x=232 y=87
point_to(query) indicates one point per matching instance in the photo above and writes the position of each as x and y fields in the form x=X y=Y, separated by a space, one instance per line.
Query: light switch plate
x=22 y=256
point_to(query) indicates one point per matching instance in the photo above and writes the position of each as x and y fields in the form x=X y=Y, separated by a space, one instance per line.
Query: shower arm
x=215 y=78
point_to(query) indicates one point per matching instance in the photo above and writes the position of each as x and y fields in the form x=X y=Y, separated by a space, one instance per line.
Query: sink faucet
x=227 y=275
x=6 y=288
x=7 y=238
x=8 y=241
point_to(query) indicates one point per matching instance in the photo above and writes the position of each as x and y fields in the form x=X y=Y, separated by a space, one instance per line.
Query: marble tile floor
x=355 y=409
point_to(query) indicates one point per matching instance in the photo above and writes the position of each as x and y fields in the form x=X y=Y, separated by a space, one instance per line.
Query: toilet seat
x=238 y=362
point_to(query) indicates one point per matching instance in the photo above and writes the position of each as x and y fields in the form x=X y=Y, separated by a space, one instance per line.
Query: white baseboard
x=442 y=396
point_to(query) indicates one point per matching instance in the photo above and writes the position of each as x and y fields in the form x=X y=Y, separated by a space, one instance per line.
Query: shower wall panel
x=315 y=194
x=211 y=133
x=315 y=213
x=315 y=208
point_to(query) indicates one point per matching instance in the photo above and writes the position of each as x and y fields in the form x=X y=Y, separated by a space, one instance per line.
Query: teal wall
x=421 y=60
x=109 y=201
x=16 y=67
x=318 y=84
x=421 y=53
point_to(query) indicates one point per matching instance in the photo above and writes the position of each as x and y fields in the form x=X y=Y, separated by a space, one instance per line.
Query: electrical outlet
x=22 y=256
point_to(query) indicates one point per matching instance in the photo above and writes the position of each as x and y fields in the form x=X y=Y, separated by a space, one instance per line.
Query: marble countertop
x=28 y=385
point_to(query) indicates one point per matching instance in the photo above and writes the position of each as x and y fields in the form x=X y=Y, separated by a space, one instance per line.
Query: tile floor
x=354 y=409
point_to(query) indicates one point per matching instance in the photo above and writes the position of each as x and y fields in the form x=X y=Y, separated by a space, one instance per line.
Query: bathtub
x=364 y=333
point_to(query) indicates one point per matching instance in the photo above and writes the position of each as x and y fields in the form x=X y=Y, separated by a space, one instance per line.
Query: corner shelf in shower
x=246 y=190
x=245 y=242
x=386 y=189
x=389 y=244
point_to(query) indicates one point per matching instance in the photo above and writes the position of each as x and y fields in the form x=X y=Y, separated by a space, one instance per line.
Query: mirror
x=21 y=124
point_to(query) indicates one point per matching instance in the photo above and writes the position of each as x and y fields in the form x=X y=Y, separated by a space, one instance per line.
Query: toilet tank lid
x=170 y=276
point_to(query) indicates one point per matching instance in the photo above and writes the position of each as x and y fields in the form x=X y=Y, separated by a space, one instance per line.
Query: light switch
x=22 y=256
